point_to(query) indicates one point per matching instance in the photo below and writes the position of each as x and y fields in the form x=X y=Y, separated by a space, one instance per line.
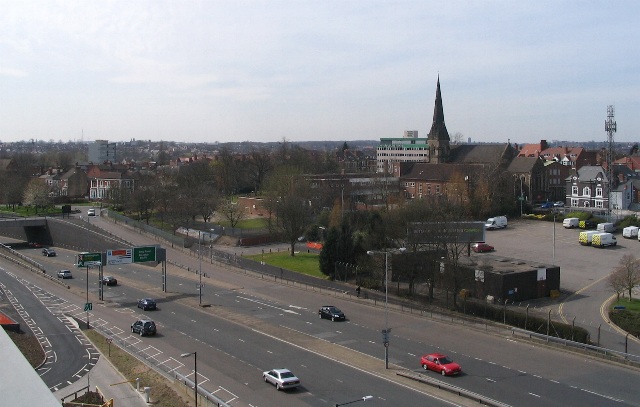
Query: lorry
x=603 y=240
x=570 y=223
x=606 y=227
x=630 y=232
x=584 y=238
x=497 y=222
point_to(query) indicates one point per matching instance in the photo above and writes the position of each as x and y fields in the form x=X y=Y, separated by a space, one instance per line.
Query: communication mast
x=610 y=127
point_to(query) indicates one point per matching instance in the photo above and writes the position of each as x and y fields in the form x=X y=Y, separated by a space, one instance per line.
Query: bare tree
x=259 y=165
x=233 y=212
x=626 y=275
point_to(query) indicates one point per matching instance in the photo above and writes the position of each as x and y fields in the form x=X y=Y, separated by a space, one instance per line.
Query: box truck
x=603 y=240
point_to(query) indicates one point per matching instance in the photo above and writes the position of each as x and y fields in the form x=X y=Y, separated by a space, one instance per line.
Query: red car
x=482 y=247
x=440 y=363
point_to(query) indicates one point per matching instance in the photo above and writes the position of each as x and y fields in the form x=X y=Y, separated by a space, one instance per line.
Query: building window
x=586 y=191
x=420 y=189
x=574 y=191
x=574 y=202
x=599 y=204
x=428 y=189
x=437 y=189
x=599 y=192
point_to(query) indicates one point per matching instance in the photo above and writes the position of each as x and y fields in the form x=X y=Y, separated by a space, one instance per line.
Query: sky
x=266 y=71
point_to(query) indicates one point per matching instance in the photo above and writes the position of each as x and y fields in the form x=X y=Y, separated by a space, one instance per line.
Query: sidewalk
x=110 y=382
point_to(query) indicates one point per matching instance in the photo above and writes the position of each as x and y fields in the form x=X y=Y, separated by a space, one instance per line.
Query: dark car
x=144 y=327
x=146 y=304
x=331 y=312
x=48 y=252
x=547 y=205
x=587 y=224
x=109 y=280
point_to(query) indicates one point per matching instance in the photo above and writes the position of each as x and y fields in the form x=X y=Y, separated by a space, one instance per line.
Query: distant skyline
x=220 y=71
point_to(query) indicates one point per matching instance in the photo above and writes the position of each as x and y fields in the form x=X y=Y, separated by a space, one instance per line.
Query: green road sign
x=144 y=254
x=88 y=306
x=89 y=259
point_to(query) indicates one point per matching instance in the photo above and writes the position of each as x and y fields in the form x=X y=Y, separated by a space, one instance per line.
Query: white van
x=603 y=240
x=497 y=222
x=570 y=223
x=630 y=232
x=606 y=227
x=584 y=238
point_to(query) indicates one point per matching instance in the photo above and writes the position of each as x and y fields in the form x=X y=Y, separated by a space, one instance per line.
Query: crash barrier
x=593 y=350
x=479 y=398
x=16 y=257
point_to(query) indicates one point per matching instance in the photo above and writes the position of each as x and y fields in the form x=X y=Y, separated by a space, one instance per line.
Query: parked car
x=547 y=205
x=64 y=274
x=482 y=247
x=587 y=224
x=144 y=327
x=283 y=379
x=91 y=212
x=570 y=223
x=440 y=363
x=109 y=280
x=497 y=222
x=48 y=252
x=558 y=204
x=331 y=312
x=146 y=304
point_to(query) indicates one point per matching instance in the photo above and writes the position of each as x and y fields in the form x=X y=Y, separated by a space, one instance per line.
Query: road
x=254 y=324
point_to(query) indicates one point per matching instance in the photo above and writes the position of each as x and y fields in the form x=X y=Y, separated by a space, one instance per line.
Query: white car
x=64 y=274
x=91 y=212
x=281 y=378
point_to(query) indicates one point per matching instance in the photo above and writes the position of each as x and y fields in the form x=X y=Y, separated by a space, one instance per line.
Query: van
x=630 y=232
x=587 y=224
x=603 y=240
x=497 y=222
x=570 y=223
x=584 y=238
x=606 y=227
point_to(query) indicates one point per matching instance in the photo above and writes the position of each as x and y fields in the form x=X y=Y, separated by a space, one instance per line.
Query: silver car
x=281 y=378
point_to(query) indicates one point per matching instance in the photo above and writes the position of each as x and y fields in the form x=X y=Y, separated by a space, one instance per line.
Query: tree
x=37 y=194
x=259 y=167
x=233 y=212
x=626 y=277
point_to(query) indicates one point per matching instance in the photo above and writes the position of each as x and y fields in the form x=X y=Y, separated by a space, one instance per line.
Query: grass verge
x=305 y=263
x=163 y=392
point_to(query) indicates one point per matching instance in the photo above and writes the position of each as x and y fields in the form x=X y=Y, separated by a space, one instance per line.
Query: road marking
x=269 y=305
x=535 y=395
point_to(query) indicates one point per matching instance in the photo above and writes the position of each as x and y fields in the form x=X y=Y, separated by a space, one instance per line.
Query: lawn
x=305 y=263
x=633 y=305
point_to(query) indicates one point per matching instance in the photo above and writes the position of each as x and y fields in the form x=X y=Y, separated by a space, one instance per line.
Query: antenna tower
x=610 y=127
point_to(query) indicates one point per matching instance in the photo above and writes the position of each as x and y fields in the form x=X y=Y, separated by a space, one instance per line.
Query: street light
x=365 y=398
x=200 y=268
x=386 y=330
x=195 y=373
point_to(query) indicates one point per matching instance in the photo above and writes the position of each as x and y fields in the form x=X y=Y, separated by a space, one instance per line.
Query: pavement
x=110 y=381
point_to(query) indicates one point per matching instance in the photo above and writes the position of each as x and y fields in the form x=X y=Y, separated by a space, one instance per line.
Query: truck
x=570 y=223
x=606 y=227
x=584 y=238
x=497 y=222
x=603 y=240
x=630 y=232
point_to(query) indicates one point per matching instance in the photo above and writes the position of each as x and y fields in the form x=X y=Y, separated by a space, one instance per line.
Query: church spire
x=438 y=128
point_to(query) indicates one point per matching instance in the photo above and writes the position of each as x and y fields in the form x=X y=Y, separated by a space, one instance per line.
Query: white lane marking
x=535 y=395
x=269 y=305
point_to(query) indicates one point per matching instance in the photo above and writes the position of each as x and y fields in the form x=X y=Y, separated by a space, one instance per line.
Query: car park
x=64 y=274
x=283 y=379
x=440 y=363
x=331 y=312
x=48 y=252
x=143 y=327
x=109 y=280
x=147 y=304
x=482 y=247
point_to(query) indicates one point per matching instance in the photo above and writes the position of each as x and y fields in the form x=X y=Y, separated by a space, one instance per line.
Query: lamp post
x=553 y=261
x=521 y=196
x=195 y=373
x=386 y=330
x=365 y=398
x=199 y=269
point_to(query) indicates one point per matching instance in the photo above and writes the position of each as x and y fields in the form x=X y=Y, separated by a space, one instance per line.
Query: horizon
x=207 y=72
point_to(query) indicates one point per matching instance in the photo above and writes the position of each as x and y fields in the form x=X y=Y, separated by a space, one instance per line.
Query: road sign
x=120 y=256
x=88 y=306
x=144 y=254
x=89 y=259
